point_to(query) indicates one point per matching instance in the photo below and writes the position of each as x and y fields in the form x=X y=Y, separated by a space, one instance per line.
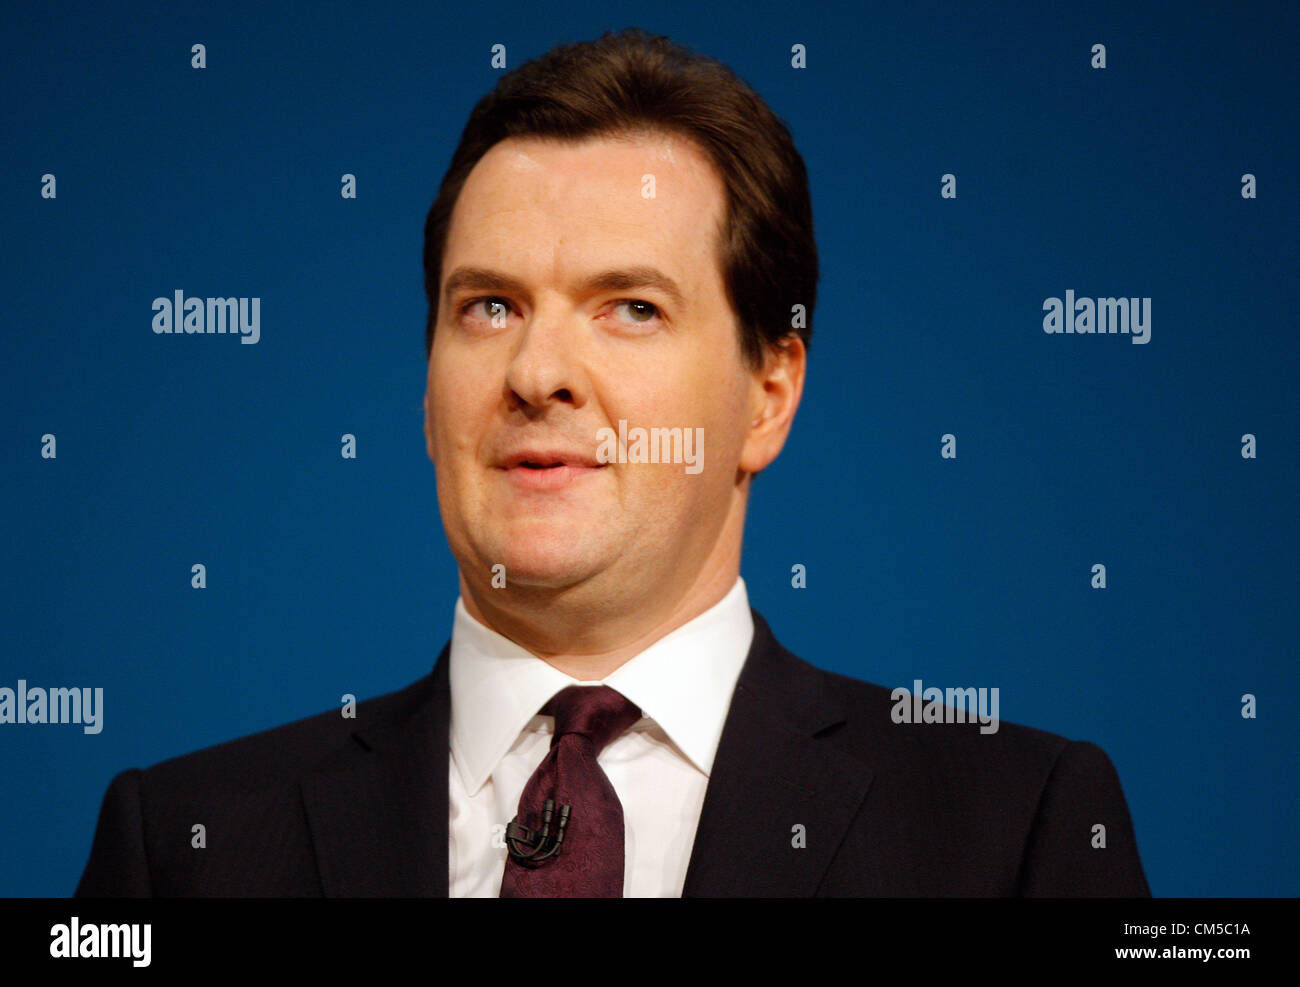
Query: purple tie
x=567 y=840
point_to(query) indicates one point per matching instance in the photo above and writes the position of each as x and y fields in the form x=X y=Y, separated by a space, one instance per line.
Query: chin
x=551 y=560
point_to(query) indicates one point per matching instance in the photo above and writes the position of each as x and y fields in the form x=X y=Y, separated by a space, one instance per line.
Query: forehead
x=551 y=208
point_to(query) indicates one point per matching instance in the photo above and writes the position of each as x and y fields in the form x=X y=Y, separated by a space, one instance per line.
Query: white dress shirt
x=659 y=768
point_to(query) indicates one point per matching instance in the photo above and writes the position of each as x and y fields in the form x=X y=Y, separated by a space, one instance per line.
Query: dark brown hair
x=628 y=82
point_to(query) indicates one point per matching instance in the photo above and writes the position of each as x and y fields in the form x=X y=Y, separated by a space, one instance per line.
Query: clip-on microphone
x=537 y=846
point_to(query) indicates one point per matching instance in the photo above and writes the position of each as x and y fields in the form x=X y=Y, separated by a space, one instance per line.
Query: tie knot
x=593 y=711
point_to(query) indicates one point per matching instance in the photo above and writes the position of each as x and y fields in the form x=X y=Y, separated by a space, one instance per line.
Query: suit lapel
x=378 y=813
x=776 y=770
x=378 y=816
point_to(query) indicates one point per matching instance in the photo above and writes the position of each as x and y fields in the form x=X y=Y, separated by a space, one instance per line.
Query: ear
x=775 y=390
x=428 y=419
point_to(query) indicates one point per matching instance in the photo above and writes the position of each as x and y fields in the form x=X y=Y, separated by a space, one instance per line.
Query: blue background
x=328 y=576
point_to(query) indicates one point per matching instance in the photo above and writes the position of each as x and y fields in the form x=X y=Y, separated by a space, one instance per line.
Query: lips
x=540 y=459
x=548 y=469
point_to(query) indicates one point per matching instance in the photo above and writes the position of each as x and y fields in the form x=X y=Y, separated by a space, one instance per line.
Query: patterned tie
x=586 y=814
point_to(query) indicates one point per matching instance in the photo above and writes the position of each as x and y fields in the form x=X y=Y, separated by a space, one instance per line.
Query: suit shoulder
x=880 y=725
x=993 y=771
x=960 y=710
x=286 y=752
x=984 y=808
x=242 y=803
x=951 y=747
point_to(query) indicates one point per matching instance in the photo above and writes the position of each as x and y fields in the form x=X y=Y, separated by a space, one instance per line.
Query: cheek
x=720 y=405
x=679 y=492
x=458 y=404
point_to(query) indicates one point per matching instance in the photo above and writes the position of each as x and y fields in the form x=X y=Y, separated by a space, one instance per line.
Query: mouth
x=548 y=471
x=528 y=464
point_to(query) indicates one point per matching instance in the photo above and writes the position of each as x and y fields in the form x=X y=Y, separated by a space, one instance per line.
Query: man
x=622 y=248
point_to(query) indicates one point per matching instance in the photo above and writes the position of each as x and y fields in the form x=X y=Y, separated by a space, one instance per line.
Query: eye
x=639 y=312
x=495 y=307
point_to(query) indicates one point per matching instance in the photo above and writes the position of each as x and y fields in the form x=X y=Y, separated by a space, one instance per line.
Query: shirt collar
x=683 y=682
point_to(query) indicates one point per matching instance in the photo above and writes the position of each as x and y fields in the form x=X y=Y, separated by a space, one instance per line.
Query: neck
x=589 y=643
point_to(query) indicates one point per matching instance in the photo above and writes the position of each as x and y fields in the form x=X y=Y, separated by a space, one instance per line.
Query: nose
x=545 y=368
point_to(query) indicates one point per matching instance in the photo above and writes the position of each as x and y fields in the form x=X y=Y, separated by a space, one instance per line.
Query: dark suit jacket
x=358 y=807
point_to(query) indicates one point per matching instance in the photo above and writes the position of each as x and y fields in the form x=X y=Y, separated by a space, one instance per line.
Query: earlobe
x=428 y=428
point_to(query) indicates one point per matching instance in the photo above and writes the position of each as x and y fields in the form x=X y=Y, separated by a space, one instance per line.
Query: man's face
x=567 y=355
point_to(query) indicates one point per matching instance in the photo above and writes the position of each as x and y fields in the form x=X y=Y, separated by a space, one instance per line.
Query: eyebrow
x=615 y=279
